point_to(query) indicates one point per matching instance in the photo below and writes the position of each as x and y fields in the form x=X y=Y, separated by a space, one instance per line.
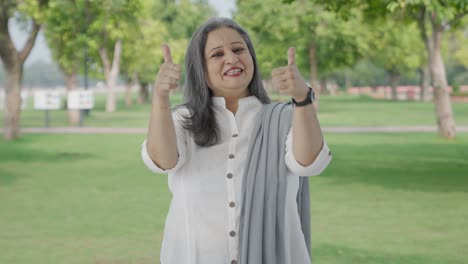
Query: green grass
x=343 y=110
x=386 y=198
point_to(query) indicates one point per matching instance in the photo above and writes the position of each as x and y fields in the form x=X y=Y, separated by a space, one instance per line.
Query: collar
x=243 y=102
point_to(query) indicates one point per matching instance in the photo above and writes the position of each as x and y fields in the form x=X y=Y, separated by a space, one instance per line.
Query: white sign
x=24 y=99
x=81 y=99
x=47 y=100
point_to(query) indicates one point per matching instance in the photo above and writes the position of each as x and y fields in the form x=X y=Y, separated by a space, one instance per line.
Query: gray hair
x=202 y=122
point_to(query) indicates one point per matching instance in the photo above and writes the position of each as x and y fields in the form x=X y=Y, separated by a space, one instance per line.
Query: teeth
x=233 y=71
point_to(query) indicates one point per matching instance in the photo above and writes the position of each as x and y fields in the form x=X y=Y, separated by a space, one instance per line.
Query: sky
x=41 y=52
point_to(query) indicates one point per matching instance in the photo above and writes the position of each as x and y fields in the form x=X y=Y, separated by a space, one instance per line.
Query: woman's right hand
x=161 y=138
x=168 y=76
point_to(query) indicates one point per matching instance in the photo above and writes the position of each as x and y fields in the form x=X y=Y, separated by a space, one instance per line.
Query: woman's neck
x=232 y=104
x=232 y=101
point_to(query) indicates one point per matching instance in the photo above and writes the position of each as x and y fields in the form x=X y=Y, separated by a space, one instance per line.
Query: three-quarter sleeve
x=318 y=166
x=181 y=147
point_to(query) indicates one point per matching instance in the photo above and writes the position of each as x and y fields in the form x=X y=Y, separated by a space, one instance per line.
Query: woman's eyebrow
x=215 y=48
x=235 y=42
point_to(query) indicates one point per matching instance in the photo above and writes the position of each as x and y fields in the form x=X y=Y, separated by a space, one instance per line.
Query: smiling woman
x=235 y=163
x=229 y=65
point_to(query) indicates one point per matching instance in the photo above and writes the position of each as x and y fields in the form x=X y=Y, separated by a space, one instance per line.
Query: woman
x=207 y=147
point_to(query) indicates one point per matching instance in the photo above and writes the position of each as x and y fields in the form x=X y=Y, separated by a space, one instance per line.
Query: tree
x=33 y=13
x=324 y=42
x=142 y=52
x=435 y=17
x=64 y=31
x=160 y=22
x=109 y=24
x=396 y=48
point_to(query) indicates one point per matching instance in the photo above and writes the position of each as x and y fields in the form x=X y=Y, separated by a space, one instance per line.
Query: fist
x=288 y=80
x=168 y=76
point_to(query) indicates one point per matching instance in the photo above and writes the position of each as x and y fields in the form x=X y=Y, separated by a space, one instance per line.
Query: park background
x=395 y=191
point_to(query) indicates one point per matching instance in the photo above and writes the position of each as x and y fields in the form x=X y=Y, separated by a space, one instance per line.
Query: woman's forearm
x=161 y=139
x=307 y=135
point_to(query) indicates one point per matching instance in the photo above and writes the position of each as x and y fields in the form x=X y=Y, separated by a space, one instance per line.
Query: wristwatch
x=309 y=99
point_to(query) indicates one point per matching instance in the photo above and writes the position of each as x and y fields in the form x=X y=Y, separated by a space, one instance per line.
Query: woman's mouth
x=233 y=72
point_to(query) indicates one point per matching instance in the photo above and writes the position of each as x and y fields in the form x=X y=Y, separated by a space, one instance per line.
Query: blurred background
x=391 y=77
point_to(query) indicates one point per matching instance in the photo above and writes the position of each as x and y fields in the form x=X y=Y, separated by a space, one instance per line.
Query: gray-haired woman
x=235 y=160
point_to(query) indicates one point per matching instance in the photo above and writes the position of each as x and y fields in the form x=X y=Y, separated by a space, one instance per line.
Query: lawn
x=342 y=110
x=386 y=198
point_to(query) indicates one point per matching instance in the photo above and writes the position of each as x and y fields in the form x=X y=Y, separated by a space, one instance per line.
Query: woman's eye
x=217 y=54
x=238 y=50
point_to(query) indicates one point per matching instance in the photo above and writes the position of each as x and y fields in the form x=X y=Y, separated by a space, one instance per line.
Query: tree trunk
x=13 y=61
x=112 y=73
x=425 y=71
x=394 y=80
x=130 y=83
x=424 y=82
x=73 y=114
x=11 y=116
x=347 y=76
x=314 y=81
x=443 y=105
x=143 y=93
x=128 y=95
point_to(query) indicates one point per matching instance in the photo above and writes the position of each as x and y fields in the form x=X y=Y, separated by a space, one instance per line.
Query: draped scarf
x=262 y=221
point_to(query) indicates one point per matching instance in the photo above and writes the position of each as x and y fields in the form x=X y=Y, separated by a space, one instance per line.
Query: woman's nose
x=232 y=58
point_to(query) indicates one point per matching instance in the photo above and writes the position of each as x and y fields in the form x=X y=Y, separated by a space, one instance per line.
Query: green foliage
x=111 y=21
x=458 y=43
x=396 y=47
x=79 y=25
x=66 y=34
x=276 y=26
x=161 y=22
x=443 y=11
x=35 y=9
x=365 y=73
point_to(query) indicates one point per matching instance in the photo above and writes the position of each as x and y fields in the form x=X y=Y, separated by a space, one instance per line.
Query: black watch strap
x=309 y=99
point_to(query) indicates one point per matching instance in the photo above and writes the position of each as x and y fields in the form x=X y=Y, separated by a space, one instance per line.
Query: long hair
x=201 y=121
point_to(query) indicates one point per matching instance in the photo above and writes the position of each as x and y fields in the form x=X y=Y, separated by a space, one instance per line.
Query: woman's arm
x=307 y=134
x=161 y=139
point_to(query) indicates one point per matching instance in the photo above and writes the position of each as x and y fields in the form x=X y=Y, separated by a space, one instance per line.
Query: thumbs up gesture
x=288 y=80
x=168 y=76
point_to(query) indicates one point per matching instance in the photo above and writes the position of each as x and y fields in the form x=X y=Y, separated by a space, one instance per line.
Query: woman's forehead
x=223 y=37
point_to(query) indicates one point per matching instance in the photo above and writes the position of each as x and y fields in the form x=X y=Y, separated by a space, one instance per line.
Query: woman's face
x=229 y=65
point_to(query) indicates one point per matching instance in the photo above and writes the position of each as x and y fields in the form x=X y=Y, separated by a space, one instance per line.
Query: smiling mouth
x=233 y=72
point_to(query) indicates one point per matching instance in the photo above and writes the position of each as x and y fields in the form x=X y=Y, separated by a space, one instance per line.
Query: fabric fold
x=262 y=221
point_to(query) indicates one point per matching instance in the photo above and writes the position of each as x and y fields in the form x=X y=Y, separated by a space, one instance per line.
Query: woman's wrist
x=161 y=102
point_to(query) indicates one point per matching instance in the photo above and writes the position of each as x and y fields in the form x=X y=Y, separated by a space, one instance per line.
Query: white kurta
x=203 y=220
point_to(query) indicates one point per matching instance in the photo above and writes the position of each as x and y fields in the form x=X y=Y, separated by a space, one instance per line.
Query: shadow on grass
x=431 y=167
x=19 y=153
x=328 y=253
x=30 y=155
x=7 y=177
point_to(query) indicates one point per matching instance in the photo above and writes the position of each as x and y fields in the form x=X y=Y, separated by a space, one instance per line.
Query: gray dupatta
x=262 y=226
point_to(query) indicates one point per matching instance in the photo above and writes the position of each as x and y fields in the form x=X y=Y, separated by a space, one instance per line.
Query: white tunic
x=203 y=220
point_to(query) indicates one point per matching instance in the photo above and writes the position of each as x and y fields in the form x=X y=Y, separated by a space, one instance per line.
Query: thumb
x=291 y=56
x=166 y=53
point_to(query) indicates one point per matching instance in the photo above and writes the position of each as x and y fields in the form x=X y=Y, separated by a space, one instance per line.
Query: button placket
x=231 y=196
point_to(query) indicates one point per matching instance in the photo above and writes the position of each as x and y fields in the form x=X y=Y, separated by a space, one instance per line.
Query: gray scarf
x=261 y=236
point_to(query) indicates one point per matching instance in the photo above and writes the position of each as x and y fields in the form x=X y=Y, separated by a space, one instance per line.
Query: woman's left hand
x=288 y=80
